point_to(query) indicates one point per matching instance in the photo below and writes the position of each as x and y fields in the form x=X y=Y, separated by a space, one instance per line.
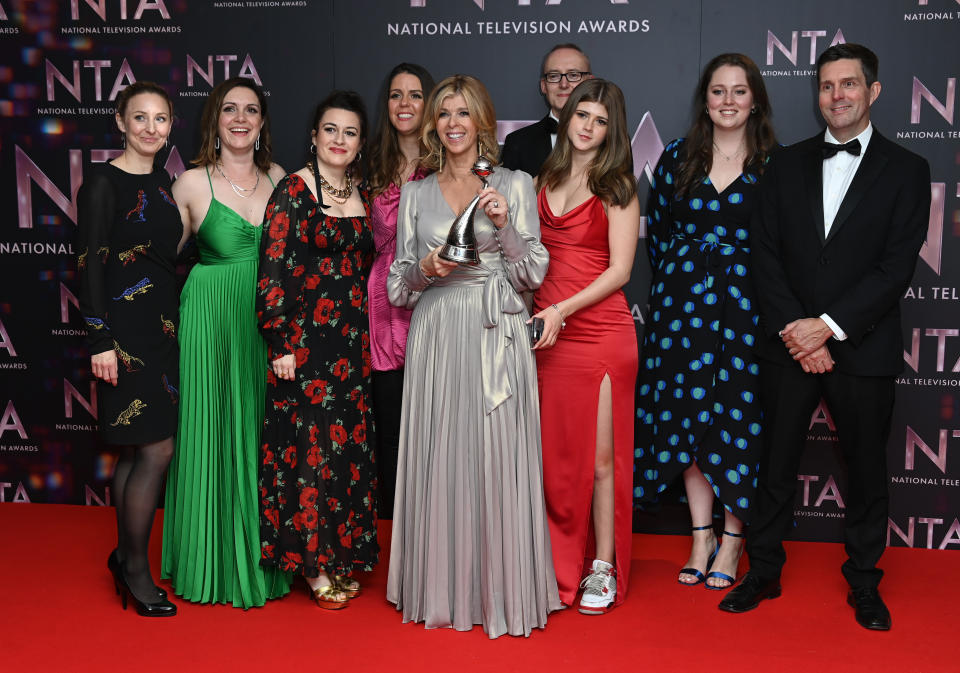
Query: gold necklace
x=338 y=195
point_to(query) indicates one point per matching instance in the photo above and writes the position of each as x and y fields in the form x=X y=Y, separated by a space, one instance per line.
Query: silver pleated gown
x=470 y=539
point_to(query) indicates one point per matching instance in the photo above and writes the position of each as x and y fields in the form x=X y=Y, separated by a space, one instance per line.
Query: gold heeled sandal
x=347 y=585
x=330 y=597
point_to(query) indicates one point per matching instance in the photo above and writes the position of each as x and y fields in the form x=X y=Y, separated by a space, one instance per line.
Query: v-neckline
x=719 y=192
x=444 y=198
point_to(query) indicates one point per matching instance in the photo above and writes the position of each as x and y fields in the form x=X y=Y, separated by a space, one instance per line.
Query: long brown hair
x=481 y=112
x=210 y=121
x=760 y=138
x=385 y=156
x=610 y=175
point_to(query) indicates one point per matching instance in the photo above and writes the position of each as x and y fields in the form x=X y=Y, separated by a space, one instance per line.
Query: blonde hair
x=481 y=112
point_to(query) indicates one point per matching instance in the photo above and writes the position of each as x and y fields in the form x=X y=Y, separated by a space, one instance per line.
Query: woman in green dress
x=211 y=533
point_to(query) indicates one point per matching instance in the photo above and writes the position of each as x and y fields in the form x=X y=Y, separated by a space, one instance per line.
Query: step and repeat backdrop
x=63 y=63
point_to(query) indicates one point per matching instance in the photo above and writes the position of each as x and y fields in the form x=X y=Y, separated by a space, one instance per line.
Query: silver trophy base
x=459 y=254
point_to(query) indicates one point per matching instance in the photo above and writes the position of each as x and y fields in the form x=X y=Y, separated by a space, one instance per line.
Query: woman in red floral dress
x=317 y=478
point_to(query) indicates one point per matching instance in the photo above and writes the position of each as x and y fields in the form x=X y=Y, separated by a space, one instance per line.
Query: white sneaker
x=599 y=589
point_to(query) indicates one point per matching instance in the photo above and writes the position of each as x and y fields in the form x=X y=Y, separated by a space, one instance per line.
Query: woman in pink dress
x=587 y=356
x=394 y=161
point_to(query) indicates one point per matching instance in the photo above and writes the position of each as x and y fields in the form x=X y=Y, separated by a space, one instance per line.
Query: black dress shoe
x=160 y=608
x=869 y=609
x=748 y=594
x=113 y=564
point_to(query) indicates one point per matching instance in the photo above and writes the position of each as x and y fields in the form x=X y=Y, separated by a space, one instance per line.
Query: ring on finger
x=495 y=204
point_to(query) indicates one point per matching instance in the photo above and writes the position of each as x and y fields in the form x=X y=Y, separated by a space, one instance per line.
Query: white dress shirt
x=553 y=136
x=838 y=172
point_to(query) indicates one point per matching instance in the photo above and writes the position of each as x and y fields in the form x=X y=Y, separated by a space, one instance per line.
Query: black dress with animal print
x=127 y=236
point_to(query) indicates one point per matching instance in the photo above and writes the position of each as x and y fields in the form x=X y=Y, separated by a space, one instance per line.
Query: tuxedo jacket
x=526 y=149
x=858 y=273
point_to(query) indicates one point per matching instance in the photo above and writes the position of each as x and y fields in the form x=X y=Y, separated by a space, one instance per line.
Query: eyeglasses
x=572 y=76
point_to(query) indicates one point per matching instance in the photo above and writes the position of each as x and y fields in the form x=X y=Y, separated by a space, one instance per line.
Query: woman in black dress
x=318 y=481
x=698 y=412
x=128 y=232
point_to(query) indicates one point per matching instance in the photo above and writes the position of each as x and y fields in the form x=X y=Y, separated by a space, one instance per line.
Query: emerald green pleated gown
x=211 y=524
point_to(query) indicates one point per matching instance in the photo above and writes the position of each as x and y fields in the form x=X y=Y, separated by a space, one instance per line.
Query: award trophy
x=461 y=245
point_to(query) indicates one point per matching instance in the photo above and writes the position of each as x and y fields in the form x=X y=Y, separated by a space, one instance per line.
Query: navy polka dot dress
x=698 y=377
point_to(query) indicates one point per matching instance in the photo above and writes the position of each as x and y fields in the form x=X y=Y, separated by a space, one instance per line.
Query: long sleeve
x=659 y=217
x=525 y=256
x=406 y=280
x=283 y=249
x=95 y=210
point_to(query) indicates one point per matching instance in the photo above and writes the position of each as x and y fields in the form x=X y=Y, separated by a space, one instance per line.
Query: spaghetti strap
x=271 y=180
x=210 y=182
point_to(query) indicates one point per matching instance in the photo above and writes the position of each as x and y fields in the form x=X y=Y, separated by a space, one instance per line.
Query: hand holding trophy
x=461 y=245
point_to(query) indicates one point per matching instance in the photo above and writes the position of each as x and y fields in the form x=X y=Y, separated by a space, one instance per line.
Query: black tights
x=136 y=488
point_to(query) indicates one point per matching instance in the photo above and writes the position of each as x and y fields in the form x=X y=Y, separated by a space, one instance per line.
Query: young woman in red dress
x=587 y=356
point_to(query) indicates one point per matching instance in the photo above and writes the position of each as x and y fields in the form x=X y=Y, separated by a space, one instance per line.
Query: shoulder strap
x=207 y=169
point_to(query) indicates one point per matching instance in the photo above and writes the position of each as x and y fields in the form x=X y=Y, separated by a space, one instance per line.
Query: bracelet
x=563 y=323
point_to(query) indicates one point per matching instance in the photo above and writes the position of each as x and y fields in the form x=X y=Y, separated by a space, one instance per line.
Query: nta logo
x=793 y=51
x=100 y=8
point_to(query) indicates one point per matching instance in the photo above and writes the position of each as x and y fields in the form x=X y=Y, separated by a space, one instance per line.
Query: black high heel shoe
x=113 y=565
x=161 y=608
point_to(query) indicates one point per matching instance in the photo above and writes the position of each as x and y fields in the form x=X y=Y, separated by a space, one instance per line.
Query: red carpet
x=59 y=613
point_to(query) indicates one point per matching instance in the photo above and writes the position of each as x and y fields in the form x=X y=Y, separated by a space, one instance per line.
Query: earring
x=216 y=144
x=256 y=145
x=313 y=148
x=123 y=141
x=359 y=156
x=440 y=169
x=479 y=147
x=753 y=110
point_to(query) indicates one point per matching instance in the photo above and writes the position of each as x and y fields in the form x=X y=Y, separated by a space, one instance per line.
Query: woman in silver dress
x=470 y=537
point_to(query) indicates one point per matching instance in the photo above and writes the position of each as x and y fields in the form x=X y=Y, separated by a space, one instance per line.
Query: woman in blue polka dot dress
x=698 y=414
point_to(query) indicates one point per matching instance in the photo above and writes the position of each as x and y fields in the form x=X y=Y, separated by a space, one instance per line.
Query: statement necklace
x=338 y=195
x=728 y=157
x=237 y=189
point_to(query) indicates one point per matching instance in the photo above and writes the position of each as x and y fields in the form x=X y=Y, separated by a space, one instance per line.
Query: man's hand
x=818 y=362
x=803 y=337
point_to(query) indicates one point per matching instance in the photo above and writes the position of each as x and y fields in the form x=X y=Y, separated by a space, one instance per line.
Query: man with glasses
x=564 y=66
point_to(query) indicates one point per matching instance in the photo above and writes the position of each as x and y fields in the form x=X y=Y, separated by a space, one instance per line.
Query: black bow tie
x=830 y=149
x=552 y=125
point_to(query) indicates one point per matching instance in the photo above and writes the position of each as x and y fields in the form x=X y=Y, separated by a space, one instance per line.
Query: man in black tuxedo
x=564 y=66
x=841 y=220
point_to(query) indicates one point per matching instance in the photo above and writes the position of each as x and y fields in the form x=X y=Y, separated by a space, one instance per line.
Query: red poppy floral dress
x=317 y=475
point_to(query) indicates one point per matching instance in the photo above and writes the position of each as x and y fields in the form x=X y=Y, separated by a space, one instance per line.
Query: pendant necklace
x=237 y=189
x=728 y=157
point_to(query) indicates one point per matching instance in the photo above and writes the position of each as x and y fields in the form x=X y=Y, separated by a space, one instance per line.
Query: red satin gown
x=598 y=340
